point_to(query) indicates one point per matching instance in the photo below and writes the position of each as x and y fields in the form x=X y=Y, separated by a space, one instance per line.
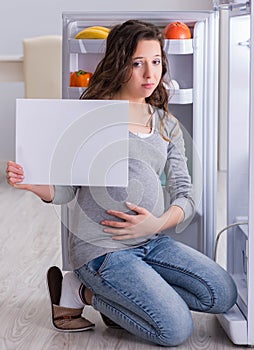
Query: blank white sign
x=73 y=142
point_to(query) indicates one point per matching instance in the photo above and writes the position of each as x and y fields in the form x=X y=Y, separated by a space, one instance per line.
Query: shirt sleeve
x=178 y=180
x=64 y=194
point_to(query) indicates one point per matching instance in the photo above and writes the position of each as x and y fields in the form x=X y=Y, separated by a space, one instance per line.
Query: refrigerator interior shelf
x=181 y=96
x=172 y=47
x=87 y=45
x=75 y=92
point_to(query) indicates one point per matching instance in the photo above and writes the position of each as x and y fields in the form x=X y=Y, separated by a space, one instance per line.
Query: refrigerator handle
x=245 y=43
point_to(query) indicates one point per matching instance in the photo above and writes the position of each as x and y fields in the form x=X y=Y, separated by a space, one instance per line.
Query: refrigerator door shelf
x=178 y=47
x=238 y=6
x=172 y=47
x=242 y=300
x=239 y=270
x=179 y=96
x=235 y=325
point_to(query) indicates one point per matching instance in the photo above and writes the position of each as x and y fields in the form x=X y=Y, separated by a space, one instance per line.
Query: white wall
x=27 y=18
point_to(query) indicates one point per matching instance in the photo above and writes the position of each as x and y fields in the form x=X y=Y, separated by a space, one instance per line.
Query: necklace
x=150 y=120
x=141 y=118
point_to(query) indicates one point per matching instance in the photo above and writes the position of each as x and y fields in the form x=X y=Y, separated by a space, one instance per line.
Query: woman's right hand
x=15 y=176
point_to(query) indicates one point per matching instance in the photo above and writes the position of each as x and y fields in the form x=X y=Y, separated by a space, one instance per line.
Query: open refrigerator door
x=239 y=321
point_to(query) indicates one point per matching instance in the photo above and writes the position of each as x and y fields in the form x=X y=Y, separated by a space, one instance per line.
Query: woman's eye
x=157 y=61
x=137 y=64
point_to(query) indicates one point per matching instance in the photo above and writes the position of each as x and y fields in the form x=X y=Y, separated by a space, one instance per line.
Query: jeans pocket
x=96 y=265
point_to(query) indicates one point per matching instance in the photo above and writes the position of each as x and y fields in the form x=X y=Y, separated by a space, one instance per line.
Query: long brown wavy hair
x=115 y=68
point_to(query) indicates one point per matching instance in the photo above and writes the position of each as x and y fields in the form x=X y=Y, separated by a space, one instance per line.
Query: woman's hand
x=133 y=226
x=143 y=224
x=15 y=175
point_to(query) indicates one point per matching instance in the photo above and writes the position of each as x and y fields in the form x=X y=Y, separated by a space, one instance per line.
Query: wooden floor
x=29 y=245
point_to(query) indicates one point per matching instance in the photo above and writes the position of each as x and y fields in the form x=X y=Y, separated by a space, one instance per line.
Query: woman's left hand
x=133 y=226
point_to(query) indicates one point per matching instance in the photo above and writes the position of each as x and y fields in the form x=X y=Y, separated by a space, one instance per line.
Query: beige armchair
x=43 y=66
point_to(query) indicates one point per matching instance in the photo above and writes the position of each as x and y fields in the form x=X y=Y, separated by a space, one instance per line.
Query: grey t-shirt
x=148 y=158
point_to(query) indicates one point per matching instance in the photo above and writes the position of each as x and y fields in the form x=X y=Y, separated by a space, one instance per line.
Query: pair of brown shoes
x=64 y=319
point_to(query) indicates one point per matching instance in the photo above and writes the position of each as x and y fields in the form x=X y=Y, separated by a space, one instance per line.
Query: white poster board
x=73 y=142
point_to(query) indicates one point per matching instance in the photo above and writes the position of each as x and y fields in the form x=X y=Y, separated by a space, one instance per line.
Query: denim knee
x=225 y=294
x=177 y=332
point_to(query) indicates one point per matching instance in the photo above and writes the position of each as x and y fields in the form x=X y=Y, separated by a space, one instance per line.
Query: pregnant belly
x=95 y=201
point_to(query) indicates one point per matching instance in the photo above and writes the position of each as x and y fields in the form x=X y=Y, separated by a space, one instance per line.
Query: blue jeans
x=151 y=289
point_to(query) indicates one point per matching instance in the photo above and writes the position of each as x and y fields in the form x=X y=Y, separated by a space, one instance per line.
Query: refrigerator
x=194 y=63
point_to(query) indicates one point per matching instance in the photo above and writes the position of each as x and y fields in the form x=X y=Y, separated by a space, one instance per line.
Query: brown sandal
x=64 y=319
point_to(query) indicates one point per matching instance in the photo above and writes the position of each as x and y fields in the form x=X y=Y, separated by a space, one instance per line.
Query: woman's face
x=146 y=72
